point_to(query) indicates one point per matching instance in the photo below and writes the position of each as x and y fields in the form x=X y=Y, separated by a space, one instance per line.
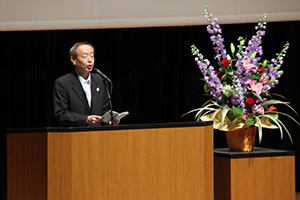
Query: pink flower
x=264 y=79
x=259 y=109
x=249 y=66
x=255 y=87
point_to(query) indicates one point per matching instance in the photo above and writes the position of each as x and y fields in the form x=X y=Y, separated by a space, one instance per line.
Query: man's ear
x=73 y=60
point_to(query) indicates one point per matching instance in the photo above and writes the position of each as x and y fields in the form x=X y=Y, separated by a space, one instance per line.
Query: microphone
x=96 y=70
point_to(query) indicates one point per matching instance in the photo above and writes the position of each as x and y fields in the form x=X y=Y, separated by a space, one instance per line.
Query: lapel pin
x=97 y=89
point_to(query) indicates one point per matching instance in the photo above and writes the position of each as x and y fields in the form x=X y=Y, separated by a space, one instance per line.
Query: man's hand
x=94 y=119
x=115 y=122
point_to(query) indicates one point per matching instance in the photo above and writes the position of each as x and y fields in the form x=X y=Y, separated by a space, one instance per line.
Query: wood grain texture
x=27 y=166
x=155 y=163
x=256 y=178
x=173 y=163
x=222 y=179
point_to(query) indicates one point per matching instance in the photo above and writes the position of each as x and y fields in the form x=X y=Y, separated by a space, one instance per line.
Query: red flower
x=250 y=102
x=226 y=62
x=218 y=74
x=272 y=108
x=260 y=69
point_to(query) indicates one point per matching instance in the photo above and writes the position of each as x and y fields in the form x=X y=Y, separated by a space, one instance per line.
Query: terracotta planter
x=241 y=139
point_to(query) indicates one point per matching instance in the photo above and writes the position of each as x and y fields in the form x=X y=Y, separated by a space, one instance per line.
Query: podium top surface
x=257 y=152
x=107 y=127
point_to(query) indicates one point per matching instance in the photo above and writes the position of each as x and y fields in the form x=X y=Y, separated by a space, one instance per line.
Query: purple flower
x=238 y=75
x=215 y=30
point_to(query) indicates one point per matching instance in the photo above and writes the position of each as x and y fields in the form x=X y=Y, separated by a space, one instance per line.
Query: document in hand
x=116 y=115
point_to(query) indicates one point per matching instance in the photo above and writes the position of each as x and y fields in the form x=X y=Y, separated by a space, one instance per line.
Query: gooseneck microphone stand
x=109 y=98
x=109 y=92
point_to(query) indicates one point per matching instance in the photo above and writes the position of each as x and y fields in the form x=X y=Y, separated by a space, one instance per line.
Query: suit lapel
x=95 y=89
x=77 y=87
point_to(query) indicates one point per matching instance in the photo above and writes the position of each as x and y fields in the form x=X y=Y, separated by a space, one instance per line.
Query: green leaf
x=202 y=79
x=249 y=121
x=258 y=96
x=206 y=88
x=264 y=63
x=280 y=73
x=274 y=101
x=237 y=111
x=215 y=114
x=259 y=129
x=237 y=119
x=224 y=113
x=287 y=131
x=275 y=121
x=273 y=115
x=232 y=48
x=279 y=95
x=281 y=113
x=272 y=80
x=252 y=55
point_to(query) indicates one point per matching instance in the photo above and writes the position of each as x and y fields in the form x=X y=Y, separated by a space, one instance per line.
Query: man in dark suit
x=80 y=97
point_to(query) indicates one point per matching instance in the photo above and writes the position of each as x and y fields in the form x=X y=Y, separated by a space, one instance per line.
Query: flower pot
x=241 y=139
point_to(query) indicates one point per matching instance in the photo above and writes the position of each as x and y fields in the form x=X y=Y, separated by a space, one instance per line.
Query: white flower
x=227 y=90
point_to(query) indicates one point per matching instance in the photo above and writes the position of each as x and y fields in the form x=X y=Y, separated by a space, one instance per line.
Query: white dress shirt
x=86 y=85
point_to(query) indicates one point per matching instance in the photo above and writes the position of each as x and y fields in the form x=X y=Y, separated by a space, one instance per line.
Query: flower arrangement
x=240 y=87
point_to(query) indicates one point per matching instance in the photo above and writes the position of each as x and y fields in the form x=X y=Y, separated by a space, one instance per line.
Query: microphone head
x=95 y=70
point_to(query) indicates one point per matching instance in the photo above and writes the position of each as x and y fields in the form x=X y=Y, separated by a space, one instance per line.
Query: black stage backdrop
x=154 y=74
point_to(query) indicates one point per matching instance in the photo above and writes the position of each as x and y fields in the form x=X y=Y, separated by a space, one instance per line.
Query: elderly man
x=80 y=97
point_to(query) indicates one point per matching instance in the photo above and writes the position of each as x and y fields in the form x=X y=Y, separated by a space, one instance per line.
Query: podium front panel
x=150 y=163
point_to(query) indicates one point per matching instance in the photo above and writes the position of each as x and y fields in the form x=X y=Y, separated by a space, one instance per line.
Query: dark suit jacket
x=70 y=103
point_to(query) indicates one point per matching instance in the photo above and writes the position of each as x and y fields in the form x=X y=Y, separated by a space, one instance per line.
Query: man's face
x=85 y=60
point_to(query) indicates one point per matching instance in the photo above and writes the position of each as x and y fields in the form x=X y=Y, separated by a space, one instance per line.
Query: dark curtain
x=154 y=74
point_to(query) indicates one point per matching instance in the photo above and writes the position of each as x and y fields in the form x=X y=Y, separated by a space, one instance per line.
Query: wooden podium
x=148 y=162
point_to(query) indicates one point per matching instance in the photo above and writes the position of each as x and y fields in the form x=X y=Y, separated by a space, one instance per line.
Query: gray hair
x=73 y=51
